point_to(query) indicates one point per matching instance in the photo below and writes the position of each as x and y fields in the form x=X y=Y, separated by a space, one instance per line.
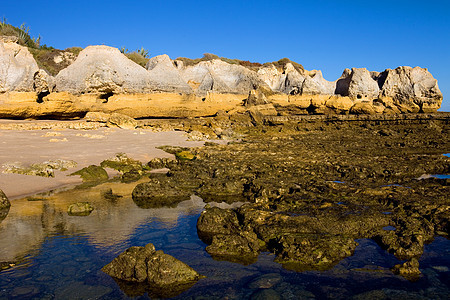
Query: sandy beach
x=85 y=147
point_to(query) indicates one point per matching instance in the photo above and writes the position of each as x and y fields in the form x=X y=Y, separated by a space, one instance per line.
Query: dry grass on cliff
x=137 y=58
x=54 y=60
x=281 y=64
x=254 y=66
x=208 y=57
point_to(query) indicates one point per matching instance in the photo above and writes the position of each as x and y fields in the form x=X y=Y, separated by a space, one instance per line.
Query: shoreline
x=85 y=147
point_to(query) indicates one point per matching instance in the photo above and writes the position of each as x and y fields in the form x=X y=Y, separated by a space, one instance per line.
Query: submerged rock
x=80 y=209
x=409 y=270
x=155 y=268
x=159 y=192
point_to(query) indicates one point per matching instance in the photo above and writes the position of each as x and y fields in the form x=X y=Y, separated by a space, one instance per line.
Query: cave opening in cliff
x=41 y=95
x=105 y=96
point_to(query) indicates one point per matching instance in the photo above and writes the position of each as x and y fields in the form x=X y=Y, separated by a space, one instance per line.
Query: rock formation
x=155 y=268
x=103 y=69
x=101 y=79
x=4 y=205
x=219 y=77
x=17 y=68
x=4 y=202
x=166 y=76
x=405 y=85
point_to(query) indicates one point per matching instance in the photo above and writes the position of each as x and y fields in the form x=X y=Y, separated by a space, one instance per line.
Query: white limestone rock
x=164 y=73
x=417 y=85
x=17 y=68
x=221 y=77
x=315 y=84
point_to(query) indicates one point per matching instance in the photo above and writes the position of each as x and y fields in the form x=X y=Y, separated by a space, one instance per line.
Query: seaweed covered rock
x=159 y=192
x=154 y=268
x=409 y=269
x=92 y=173
x=4 y=202
x=4 y=206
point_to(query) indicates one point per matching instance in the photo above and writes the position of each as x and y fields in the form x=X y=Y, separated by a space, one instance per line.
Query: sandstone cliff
x=103 y=79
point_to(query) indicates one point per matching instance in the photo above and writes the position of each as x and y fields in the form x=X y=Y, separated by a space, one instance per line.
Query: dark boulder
x=160 y=272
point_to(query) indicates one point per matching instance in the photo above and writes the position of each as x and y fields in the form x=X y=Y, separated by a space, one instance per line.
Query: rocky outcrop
x=155 y=268
x=288 y=81
x=315 y=84
x=406 y=85
x=102 y=69
x=17 y=68
x=219 y=77
x=102 y=79
x=357 y=83
x=164 y=73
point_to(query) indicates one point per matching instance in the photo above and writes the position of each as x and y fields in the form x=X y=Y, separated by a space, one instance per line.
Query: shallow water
x=57 y=256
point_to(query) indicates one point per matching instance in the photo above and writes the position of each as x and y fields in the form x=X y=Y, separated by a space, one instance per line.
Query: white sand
x=85 y=147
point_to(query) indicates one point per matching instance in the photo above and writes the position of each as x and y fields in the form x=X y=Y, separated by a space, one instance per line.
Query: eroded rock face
x=155 y=268
x=17 y=68
x=163 y=72
x=416 y=85
x=220 y=77
x=288 y=80
x=103 y=69
x=315 y=84
x=357 y=83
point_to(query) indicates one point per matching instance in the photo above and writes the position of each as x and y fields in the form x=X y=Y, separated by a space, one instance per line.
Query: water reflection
x=110 y=224
x=64 y=254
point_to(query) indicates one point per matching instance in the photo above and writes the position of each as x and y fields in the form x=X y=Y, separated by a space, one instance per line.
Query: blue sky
x=326 y=35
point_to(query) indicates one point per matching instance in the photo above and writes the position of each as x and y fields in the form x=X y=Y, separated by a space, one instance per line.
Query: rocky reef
x=102 y=79
x=313 y=189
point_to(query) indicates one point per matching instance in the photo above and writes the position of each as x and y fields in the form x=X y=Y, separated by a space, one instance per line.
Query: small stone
x=80 y=209
x=266 y=281
x=409 y=270
x=265 y=294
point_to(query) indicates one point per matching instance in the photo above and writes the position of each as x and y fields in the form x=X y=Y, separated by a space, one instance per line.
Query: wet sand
x=85 y=147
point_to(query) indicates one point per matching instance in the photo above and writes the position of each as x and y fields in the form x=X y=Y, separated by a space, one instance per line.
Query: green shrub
x=21 y=33
x=74 y=50
x=137 y=58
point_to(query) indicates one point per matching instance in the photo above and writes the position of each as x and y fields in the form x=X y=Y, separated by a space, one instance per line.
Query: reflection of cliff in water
x=111 y=223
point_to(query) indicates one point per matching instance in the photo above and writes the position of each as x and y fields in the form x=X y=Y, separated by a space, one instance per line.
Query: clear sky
x=326 y=35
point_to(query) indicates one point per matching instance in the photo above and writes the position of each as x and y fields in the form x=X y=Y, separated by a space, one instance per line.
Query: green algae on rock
x=92 y=173
x=160 y=272
x=45 y=169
